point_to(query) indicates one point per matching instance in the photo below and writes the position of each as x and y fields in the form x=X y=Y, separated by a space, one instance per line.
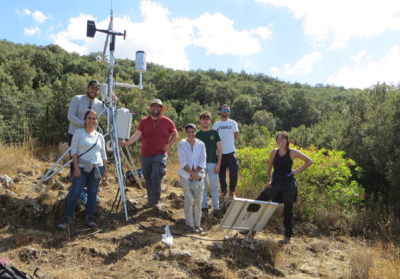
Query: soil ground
x=28 y=237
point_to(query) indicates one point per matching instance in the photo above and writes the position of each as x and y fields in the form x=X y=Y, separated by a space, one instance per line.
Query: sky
x=350 y=43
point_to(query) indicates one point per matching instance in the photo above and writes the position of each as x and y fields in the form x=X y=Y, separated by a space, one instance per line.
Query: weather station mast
x=118 y=121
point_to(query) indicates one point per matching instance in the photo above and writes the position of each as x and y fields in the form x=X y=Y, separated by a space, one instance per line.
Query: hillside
x=124 y=250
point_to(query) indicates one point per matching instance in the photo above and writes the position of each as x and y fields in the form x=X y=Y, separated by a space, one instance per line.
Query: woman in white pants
x=192 y=157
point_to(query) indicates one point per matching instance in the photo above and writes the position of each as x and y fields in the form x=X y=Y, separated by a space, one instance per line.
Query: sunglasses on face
x=224 y=110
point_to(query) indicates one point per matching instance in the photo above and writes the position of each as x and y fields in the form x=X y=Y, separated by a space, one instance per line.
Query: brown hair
x=205 y=114
x=285 y=136
x=190 y=126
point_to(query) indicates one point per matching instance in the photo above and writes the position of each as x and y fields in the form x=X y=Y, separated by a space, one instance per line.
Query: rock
x=49 y=182
x=133 y=201
x=11 y=194
x=93 y=251
x=17 y=179
x=180 y=254
x=176 y=183
x=61 y=195
x=6 y=181
x=40 y=188
x=21 y=239
x=36 y=167
x=58 y=186
x=28 y=252
x=172 y=196
x=23 y=177
x=30 y=173
x=163 y=211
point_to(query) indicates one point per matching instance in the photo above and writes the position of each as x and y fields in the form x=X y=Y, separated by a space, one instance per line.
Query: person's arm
x=132 y=139
x=172 y=139
x=114 y=98
x=269 y=169
x=104 y=158
x=307 y=161
x=236 y=135
x=105 y=173
x=72 y=111
x=218 y=165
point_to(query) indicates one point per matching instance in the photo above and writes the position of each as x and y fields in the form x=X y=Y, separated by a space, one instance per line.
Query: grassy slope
x=29 y=239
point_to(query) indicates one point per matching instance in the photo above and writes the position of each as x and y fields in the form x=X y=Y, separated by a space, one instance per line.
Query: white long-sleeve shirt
x=192 y=158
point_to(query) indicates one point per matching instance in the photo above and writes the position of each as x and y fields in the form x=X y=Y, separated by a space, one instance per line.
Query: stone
x=58 y=186
x=7 y=181
x=172 y=196
x=30 y=173
x=11 y=194
x=40 y=188
x=36 y=167
x=21 y=239
x=28 y=252
x=49 y=182
x=23 y=177
x=164 y=212
x=180 y=254
x=176 y=183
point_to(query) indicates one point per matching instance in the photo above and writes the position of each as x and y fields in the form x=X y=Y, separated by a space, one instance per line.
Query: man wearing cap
x=80 y=104
x=229 y=132
x=158 y=133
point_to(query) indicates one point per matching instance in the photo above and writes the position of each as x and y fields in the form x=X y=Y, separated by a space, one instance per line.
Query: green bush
x=326 y=184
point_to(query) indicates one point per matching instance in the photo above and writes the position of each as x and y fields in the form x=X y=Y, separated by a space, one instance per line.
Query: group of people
x=207 y=152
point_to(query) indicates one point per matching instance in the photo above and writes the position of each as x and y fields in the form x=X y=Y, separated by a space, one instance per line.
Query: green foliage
x=327 y=184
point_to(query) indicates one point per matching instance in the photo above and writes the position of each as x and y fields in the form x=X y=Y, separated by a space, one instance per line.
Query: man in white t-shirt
x=229 y=132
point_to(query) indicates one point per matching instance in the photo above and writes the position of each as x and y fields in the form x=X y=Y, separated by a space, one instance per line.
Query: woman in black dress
x=282 y=182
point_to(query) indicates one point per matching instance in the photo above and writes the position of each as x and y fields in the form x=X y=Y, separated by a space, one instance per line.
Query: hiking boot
x=200 y=229
x=204 y=210
x=217 y=214
x=64 y=223
x=232 y=195
x=190 y=229
x=89 y=221
x=287 y=240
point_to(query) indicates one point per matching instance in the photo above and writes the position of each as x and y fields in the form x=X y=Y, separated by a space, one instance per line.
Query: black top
x=282 y=164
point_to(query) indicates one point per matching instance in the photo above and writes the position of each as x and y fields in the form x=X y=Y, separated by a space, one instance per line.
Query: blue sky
x=348 y=43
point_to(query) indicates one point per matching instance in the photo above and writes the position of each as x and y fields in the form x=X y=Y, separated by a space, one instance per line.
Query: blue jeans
x=92 y=185
x=209 y=170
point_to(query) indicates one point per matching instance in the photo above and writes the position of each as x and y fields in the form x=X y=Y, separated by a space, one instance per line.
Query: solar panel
x=245 y=214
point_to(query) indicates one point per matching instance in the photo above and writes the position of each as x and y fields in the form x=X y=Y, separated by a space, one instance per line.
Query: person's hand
x=196 y=176
x=77 y=173
x=105 y=176
x=216 y=169
x=122 y=143
x=295 y=172
x=114 y=98
x=166 y=147
x=191 y=177
x=269 y=185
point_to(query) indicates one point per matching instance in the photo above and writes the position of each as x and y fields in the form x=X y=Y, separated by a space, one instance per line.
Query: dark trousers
x=229 y=161
x=71 y=166
x=154 y=168
x=287 y=212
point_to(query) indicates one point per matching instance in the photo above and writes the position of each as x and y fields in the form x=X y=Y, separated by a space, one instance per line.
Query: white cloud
x=305 y=64
x=164 y=38
x=344 y=18
x=247 y=63
x=26 y=12
x=357 y=58
x=384 y=70
x=275 y=71
x=31 y=31
x=39 y=17
x=218 y=36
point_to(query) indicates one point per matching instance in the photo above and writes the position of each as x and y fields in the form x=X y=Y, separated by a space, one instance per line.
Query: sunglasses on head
x=225 y=110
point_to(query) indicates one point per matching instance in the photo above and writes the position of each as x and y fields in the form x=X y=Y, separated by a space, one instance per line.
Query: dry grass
x=126 y=251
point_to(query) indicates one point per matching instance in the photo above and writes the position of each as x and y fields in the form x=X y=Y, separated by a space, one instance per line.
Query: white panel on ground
x=244 y=214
